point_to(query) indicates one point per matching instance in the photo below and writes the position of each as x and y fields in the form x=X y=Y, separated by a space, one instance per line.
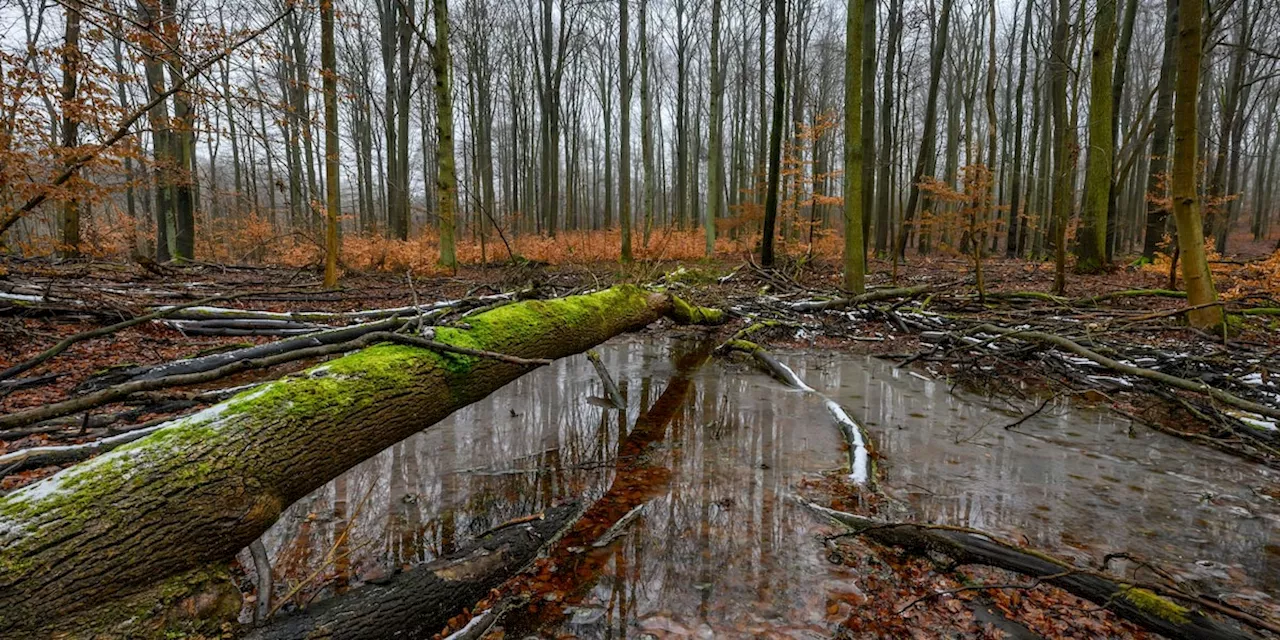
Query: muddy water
x=716 y=549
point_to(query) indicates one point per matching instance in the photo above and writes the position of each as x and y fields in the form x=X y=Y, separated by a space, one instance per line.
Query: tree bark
x=1162 y=119
x=715 y=169
x=333 y=202
x=885 y=159
x=624 y=145
x=1091 y=245
x=446 y=171
x=646 y=126
x=1186 y=197
x=855 y=255
x=775 y=133
x=1063 y=151
x=205 y=486
x=70 y=218
x=1017 y=227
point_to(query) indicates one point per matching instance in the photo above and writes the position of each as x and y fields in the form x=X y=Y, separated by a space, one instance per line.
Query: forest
x=461 y=319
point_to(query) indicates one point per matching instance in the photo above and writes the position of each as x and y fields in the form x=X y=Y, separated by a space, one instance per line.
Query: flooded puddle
x=710 y=454
x=1077 y=482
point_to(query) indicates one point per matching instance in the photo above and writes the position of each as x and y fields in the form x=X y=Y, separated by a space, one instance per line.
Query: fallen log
x=870 y=296
x=1135 y=603
x=244 y=327
x=213 y=361
x=419 y=602
x=199 y=312
x=88 y=547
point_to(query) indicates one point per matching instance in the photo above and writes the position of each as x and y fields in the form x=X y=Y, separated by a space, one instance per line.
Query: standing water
x=713 y=545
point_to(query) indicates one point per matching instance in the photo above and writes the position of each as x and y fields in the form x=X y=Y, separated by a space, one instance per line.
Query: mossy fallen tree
x=1177 y=617
x=101 y=541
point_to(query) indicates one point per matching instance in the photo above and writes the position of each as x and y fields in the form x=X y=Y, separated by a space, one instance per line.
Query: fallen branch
x=214 y=361
x=610 y=387
x=197 y=312
x=36 y=457
x=66 y=343
x=1137 y=603
x=870 y=296
x=243 y=327
x=1139 y=372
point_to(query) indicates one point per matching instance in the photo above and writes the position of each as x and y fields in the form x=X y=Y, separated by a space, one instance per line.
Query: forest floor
x=933 y=328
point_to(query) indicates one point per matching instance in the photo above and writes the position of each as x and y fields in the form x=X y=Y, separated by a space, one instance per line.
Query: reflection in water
x=1075 y=483
x=715 y=547
x=715 y=544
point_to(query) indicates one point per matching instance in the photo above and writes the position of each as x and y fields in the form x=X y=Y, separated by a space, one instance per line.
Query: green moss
x=685 y=313
x=1155 y=605
x=745 y=346
x=692 y=277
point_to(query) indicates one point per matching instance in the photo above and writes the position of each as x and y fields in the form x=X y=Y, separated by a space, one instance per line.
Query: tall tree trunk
x=333 y=189
x=1186 y=198
x=399 y=156
x=715 y=179
x=987 y=213
x=1158 y=206
x=1091 y=244
x=446 y=173
x=646 y=125
x=928 y=139
x=682 y=115
x=161 y=131
x=1217 y=208
x=762 y=131
x=388 y=10
x=775 y=134
x=885 y=160
x=1118 y=82
x=1017 y=228
x=182 y=141
x=868 y=81
x=624 y=145
x=855 y=255
x=1064 y=153
x=70 y=218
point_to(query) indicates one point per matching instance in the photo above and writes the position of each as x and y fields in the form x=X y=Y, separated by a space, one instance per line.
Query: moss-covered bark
x=204 y=487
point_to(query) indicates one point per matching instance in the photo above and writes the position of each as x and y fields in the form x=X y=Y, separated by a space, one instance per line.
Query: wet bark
x=420 y=602
x=205 y=486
